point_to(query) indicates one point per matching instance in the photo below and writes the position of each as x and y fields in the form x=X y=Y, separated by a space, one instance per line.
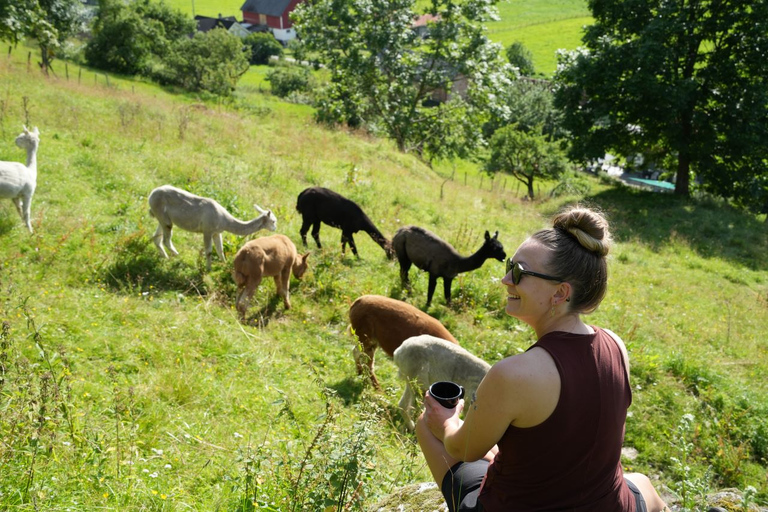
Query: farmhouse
x=205 y=23
x=274 y=14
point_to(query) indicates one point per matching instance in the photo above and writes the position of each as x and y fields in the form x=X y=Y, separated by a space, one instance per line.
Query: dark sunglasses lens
x=516 y=271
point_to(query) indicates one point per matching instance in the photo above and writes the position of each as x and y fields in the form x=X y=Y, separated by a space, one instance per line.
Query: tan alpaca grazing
x=269 y=256
x=386 y=323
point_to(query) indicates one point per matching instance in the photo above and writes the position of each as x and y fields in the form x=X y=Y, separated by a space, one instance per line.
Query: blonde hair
x=578 y=243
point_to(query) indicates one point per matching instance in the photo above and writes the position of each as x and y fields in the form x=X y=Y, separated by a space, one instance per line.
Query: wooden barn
x=273 y=14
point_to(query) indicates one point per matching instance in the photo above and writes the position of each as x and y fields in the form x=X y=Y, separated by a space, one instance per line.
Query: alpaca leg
x=17 y=203
x=447 y=290
x=26 y=204
x=167 y=239
x=305 y=225
x=157 y=238
x=208 y=246
x=405 y=267
x=406 y=404
x=364 y=359
x=351 y=241
x=217 y=243
x=282 y=284
x=244 y=297
x=431 y=289
x=316 y=233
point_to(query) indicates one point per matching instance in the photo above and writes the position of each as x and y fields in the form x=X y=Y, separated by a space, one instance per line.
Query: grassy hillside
x=544 y=26
x=128 y=382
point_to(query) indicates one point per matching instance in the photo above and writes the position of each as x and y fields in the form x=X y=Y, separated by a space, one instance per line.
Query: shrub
x=289 y=79
x=263 y=46
x=212 y=61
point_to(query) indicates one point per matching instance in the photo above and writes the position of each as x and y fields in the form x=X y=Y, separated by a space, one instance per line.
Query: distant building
x=229 y=23
x=274 y=14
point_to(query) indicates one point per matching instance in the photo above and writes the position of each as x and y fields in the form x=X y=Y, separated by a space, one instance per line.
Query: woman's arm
x=523 y=390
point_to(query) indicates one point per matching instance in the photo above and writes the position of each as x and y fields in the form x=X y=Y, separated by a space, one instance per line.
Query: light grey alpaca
x=426 y=250
x=18 y=181
x=423 y=360
x=173 y=206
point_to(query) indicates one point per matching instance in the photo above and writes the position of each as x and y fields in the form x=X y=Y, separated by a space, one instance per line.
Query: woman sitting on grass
x=546 y=428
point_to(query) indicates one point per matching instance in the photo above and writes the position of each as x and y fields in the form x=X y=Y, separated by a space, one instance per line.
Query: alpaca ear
x=26 y=130
x=305 y=257
x=487 y=234
x=259 y=209
x=496 y=236
x=36 y=131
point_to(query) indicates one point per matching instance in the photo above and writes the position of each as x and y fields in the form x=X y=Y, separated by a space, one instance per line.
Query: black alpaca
x=415 y=245
x=318 y=204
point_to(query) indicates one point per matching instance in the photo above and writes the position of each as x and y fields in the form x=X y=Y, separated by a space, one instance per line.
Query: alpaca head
x=28 y=139
x=271 y=220
x=300 y=265
x=493 y=247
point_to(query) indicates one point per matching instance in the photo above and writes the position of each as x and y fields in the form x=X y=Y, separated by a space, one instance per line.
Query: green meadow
x=128 y=382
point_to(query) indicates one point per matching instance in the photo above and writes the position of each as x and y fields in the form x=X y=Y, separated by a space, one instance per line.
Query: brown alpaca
x=269 y=256
x=384 y=322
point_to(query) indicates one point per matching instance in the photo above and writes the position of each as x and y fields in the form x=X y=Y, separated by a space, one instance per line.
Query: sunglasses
x=518 y=272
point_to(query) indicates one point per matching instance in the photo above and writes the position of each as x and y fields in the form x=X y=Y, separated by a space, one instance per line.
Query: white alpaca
x=17 y=181
x=173 y=206
x=423 y=360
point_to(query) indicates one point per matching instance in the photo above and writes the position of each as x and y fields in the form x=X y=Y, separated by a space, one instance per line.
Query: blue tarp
x=654 y=183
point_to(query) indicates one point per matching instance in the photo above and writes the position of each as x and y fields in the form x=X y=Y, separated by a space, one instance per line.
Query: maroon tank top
x=571 y=461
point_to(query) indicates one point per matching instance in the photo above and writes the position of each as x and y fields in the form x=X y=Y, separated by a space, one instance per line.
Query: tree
x=263 y=46
x=132 y=38
x=48 y=22
x=384 y=77
x=520 y=57
x=210 y=61
x=529 y=104
x=681 y=79
x=525 y=156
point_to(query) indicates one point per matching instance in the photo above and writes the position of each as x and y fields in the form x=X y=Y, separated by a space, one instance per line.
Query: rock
x=423 y=497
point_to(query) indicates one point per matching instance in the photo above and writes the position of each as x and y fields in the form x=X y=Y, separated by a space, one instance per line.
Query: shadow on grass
x=708 y=226
x=8 y=221
x=136 y=266
x=350 y=389
x=266 y=313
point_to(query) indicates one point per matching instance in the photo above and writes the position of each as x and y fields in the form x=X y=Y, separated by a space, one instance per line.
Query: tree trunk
x=682 y=183
x=683 y=175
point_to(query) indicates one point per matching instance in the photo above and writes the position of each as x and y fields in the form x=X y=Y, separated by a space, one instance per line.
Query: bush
x=263 y=46
x=289 y=79
x=212 y=61
x=520 y=57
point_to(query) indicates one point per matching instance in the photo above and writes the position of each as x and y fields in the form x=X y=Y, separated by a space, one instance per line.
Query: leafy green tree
x=525 y=156
x=49 y=22
x=289 y=79
x=520 y=57
x=263 y=46
x=384 y=77
x=210 y=61
x=685 y=80
x=529 y=104
x=129 y=38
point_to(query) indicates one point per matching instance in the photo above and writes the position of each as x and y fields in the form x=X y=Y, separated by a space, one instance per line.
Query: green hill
x=544 y=26
x=129 y=384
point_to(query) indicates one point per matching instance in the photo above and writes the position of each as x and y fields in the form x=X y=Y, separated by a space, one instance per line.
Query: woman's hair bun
x=588 y=226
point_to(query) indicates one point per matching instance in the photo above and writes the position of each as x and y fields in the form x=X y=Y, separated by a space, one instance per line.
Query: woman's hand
x=439 y=419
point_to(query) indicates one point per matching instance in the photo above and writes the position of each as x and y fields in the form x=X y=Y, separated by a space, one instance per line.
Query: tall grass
x=128 y=383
